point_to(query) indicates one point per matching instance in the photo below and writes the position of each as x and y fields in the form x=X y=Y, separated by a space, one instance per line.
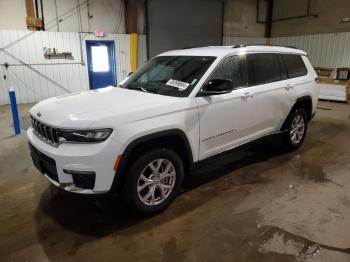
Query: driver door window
x=232 y=68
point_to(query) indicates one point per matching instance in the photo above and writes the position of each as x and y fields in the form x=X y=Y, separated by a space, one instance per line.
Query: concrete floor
x=258 y=204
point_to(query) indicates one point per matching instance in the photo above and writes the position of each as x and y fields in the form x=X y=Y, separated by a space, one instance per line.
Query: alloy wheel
x=297 y=129
x=156 y=182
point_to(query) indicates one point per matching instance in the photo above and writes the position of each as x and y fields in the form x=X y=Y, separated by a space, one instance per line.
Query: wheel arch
x=174 y=139
x=304 y=102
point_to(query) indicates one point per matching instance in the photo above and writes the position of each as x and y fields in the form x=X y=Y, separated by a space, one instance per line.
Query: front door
x=101 y=63
x=227 y=120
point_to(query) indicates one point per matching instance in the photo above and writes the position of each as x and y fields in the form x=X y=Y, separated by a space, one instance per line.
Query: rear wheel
x=153 y=181
x=296 y=129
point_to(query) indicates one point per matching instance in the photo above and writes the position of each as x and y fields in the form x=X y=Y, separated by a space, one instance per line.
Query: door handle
x=247 y=95
x=288 y=87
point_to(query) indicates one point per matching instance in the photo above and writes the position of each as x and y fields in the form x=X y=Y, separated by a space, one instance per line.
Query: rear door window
x=295 y=65
x=264 y=68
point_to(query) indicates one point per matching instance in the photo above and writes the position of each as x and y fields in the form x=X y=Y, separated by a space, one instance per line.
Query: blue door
x=101 y=63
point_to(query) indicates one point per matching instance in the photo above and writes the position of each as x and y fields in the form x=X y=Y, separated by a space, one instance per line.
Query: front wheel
x=296 y=129
x=153 y=181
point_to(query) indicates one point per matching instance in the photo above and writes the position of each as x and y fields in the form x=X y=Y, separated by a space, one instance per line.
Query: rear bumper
x=78 y=168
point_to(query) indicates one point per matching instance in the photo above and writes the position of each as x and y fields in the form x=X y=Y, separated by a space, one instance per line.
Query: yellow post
x=268 y=41
x=133 y=51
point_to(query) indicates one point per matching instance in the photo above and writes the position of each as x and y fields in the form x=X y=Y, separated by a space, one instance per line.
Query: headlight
x=84 y=136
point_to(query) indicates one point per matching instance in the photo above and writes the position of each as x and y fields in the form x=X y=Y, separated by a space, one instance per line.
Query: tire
x=145 y=191
x=296 y=129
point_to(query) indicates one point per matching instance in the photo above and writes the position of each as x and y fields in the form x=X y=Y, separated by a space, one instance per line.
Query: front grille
x=42 y=155
x=45 y=132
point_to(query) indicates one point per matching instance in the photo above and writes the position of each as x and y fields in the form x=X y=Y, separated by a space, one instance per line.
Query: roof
x=226 y=50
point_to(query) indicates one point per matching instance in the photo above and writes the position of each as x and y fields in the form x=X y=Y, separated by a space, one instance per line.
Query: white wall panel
x=70 y=74
x=327 y=50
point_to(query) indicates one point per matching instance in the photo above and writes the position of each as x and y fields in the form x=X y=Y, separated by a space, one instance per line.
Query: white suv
x=141 y=137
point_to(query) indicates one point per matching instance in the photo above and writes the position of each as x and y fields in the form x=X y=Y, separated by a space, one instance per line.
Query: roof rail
x=186 y=47
x=240 y=46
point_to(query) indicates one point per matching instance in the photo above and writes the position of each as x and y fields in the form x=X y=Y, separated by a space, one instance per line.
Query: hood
x=86 y=108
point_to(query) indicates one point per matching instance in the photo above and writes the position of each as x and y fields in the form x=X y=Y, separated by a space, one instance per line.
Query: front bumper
x=95 y=158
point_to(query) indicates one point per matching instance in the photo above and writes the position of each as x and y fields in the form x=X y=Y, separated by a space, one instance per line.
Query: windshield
x=169 y=75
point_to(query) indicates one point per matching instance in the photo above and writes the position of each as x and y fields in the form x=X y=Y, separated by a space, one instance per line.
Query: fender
x=304 y=98
x=307 y=98
x=299 y=100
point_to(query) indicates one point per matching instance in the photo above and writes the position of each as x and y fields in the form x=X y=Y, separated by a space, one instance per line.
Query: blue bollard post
x=15 y=117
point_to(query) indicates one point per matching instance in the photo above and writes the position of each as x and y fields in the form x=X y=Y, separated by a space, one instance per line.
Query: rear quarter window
x=295 y=65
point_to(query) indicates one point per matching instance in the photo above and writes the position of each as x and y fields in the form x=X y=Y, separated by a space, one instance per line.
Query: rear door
x=272 y=91
x=300 y=81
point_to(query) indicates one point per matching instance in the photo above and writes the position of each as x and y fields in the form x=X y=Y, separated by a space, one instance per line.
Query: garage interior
x=257 y=204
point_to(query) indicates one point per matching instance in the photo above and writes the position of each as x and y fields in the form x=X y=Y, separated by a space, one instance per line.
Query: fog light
x=82 y=179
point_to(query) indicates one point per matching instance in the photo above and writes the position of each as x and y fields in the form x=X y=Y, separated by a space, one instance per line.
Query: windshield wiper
x=140 y=88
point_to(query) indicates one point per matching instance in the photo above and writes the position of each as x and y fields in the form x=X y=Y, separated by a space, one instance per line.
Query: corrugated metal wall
x=43 y=77
x=327 y=50
x=37 y=80
x=235 y=40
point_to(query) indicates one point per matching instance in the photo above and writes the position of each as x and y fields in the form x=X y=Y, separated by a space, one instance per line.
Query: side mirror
x=129 y=74
x=217 y=87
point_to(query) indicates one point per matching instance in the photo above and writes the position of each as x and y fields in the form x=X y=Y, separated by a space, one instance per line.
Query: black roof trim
x=240 y=46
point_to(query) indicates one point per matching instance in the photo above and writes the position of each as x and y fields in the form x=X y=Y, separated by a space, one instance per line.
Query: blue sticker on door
x=101 y=63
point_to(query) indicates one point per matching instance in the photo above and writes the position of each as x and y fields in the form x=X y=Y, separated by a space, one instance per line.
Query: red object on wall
x=99 y=33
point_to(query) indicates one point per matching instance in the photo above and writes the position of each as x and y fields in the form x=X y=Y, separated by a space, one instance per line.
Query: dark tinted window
x=295 y=65
x=232 y=68
x=263 y=68
x=282 y=67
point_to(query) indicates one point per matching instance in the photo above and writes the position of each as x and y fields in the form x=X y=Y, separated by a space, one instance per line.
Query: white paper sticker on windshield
x=177 y=84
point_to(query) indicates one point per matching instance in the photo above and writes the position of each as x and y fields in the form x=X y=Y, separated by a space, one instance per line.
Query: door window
x=100 y=61
x=295 y=65
x=263 y=68
x=232 y=68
